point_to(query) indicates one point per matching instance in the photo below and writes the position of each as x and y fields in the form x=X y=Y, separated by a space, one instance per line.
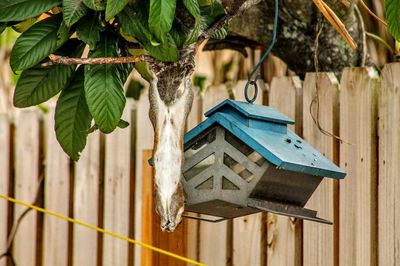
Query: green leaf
x=72 y=117
x=97 y=5
x=392 y=8
x=38 y=84
x=166 y=51
x=123 y=124
x=193 y=7
x=210 y=14
x=134 y=24
x=114 y=7
x=104 y=87
x=220 y=34
x=88 y=30
x=18 y=10
x=37 y=43
x=3 y=26
x=73 y=10
x=24 y=25
x=194 y=34
x=161 y=16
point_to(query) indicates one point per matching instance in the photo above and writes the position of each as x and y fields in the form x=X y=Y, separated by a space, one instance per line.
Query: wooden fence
x=112 y=187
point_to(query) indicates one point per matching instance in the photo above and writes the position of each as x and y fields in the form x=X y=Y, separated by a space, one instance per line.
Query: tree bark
x=297 y=31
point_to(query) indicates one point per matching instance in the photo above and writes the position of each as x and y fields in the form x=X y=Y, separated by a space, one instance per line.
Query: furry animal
x=171 y=98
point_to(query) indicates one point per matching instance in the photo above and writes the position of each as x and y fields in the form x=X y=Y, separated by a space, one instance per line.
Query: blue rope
x=263 y=58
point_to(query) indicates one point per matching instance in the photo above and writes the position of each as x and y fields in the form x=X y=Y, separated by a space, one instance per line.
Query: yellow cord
x=101 y=230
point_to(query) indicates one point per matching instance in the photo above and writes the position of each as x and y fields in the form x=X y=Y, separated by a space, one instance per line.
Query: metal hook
x=246 y=90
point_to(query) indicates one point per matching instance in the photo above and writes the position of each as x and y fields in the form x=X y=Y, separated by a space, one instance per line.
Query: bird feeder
x=243 y=159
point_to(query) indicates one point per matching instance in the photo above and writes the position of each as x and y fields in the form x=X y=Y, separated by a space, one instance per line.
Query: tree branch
x=56 y=59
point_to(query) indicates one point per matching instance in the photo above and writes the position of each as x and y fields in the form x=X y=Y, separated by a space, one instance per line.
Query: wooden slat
x=86 y=196
x=193 y=120
x=358 y=215
x=147 y=216
x=144 y=141
x=4 y=180
x=389 y=167
x=26 y=185
x=56 y=189
x=247 y=231
x=214 y=236
x=320 y=243
x=284 y=235
x=117 y=192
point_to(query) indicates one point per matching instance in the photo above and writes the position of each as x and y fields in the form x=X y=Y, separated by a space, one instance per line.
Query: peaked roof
x=285 y=150
x=260 y=112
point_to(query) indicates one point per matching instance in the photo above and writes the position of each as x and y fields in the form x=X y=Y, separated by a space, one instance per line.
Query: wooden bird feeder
x=243 y=159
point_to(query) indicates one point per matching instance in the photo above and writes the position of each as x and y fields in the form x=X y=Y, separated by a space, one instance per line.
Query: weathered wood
x=117 y=192
x=144 y=141
x=147 y=216
x=389 y=167
x=247 y=231
x=283 y=233
x=358 y=215
x=4 y=180
x=86 y=197
x=26 y=185
x=56 y=187
x=320 y=241
x=214 y=236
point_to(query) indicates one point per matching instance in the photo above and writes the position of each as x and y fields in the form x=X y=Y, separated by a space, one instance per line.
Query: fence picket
x=86 y=197
x=248 y=231
x=26 y=185
x=389 y=167
x=117 y=192
x=320 y=240
x=283 y=233
x=358 y=215
x=4 y=181
x=57 y=186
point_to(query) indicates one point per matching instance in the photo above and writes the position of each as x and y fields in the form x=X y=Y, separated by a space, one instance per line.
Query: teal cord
x=263 y=58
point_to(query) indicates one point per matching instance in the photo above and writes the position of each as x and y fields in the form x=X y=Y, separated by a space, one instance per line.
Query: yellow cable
x=101 y=230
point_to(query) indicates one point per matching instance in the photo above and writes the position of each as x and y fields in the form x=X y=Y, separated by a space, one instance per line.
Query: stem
x=379 y=39
x=56 y=59
x=372 y=13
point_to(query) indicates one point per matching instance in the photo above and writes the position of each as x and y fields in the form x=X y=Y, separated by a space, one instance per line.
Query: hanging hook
x=246 y=90
x=263 y=58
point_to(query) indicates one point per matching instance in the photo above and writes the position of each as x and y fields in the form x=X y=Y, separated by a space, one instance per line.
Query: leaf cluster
x=92 y=96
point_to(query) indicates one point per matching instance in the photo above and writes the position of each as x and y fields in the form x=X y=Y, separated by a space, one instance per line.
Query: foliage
x=92 y=96
x=392 y=8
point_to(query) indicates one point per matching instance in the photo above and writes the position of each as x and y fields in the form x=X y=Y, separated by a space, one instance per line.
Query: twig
x=372 y=13
x=381 y=40
x=56 y=59
x=14 y=229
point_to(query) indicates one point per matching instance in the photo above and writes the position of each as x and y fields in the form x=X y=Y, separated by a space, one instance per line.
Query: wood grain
x=283 y=233
x=26 y=185
x=57 y=188
x=389 y=167
x=117 y=192
x=358 y=213
x=86 y=197
x=320 y=243
x=4 y=180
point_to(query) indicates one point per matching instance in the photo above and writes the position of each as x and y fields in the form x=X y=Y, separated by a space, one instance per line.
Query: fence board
x=26 y=185
x=4 y=180
x=56 y=185
x=389 y=167
x=214 y=236
x=358 y=115
x=86 y=197
x=117 y=192
x=283 y=233
x=144 y=141
x=320 y=240
x=248 y=246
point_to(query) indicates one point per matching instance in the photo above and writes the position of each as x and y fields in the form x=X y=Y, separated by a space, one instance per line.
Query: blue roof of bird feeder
x=264 y=129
